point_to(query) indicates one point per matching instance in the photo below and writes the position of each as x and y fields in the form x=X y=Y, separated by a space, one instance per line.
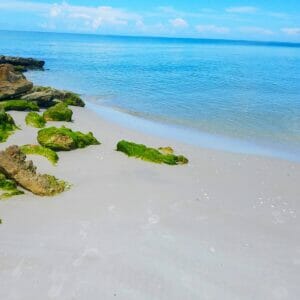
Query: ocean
x=234 y=95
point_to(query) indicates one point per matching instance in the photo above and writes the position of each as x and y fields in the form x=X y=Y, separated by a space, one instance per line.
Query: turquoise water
x=243 y=91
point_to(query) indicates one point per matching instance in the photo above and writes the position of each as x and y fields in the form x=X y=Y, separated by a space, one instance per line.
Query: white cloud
x=179 y=23
x=212 y=29
x=76 y=16
x=256 y=30
x=291 y=30
x=242 y=9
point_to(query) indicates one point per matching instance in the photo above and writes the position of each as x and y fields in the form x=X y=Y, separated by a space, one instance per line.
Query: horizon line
x=246 y=41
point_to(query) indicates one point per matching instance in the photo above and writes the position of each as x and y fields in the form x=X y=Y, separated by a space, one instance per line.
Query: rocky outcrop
x=22 y=63
x=14 y=165
x=48 y=96
x=12 y=83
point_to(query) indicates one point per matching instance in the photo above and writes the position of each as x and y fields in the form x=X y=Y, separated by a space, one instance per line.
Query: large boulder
x=13 y=164
x=47 y=96
x=12 y=83
x=25 y=63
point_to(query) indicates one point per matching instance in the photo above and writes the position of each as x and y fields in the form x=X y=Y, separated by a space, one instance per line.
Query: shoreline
x=189 y=135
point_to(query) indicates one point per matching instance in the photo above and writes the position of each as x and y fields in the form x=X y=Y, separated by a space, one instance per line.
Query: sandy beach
x=224 y=226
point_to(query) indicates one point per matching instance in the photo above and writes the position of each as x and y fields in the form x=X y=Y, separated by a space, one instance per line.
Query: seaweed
x=19 y=105
x=58 y=112
x=65 y=139
x=40 y=150
x=7 y=125
x=149 y=154
x=35 y=120
x=9 y=187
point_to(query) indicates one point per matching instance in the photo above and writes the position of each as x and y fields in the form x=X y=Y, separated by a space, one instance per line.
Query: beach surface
x=224 y=226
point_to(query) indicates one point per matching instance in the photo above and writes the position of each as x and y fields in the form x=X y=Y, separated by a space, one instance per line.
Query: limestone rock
x=14 y=165
x=12 y=83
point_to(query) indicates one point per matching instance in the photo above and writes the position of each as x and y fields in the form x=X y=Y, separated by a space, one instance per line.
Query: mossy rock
x=35 y=120
x=9 y=187
x=72 y=99
x=19 y=105
x=49 y=93
x=58 y=112
x=7 y=125
x=149 y=154
x=40 y=150
x=65 y=139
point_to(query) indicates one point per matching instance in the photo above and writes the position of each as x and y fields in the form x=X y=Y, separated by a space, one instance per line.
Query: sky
x=268 y=20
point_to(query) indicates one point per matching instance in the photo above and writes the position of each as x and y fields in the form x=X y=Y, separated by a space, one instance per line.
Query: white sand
x=225 y=226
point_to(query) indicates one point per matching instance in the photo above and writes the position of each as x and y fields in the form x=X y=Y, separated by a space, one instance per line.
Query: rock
x=47 y=96
x=12 y=83
x=9 y=187
x=43 y=98
x=7 y=126
x=14 y=165
x=149 y=154
x=58 y=112
x=35 y=120
x=166 y=150
x=64 y=139
x=19 y=105
x=26 y=63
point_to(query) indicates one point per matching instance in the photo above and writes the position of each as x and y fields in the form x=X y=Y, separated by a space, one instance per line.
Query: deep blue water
x=247 y=91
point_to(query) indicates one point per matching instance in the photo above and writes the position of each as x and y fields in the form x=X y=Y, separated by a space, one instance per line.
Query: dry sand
x=225 y=226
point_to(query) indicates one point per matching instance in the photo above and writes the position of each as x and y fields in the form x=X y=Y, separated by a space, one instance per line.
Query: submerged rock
x=7 y=125
x=48 y=96
x=25 y=63
x=64 y=139
x=12 y=83
x=35 y=120
x=58 y=112
x=14 y=165
x=150 y=154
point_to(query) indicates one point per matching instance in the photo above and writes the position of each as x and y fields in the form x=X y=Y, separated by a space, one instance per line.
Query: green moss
x=149 y=154
x=9 y=187
x=72 y=99
x=7 y=125
x=64 y=139
x=35 y=120
x=19 y=105
x=20 y=68
x=40 y=150
x=58 y=112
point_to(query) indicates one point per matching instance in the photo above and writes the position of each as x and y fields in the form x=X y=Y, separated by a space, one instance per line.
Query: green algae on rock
x=7 y=125
x=19 y=105
x=149 y=154
x=40 y=150
x=58 y=112
x=47 y=96
x=9 y=187
x=14 y=165
x=35 y=120
x=64 y=139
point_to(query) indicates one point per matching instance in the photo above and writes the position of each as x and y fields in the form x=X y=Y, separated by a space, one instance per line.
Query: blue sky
x=232 y=19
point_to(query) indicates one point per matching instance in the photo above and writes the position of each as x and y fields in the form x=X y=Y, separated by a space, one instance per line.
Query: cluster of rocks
x=14 y=85
x=17 y=93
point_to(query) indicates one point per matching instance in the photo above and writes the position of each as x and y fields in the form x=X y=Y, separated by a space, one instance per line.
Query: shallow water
x=247 y=92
